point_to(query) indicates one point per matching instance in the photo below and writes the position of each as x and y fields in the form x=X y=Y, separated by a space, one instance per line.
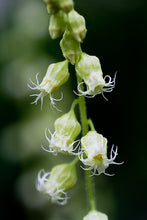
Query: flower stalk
x=71 y=137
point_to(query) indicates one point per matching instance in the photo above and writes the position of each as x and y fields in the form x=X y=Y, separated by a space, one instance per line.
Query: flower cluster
x=92 y=152
x=89 y=147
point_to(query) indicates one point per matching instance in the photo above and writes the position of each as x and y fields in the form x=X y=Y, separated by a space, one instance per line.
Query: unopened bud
x=52 y=9
x=57 y=24
x=76 y=26
x=52 y=6
x=95 y=215
x=70 y=48
x=66 y=5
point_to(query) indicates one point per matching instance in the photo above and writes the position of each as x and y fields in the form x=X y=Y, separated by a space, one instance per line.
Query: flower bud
x=67 y=128
x=95 y=215
x=65 y=5
x=94 y=146
x=70 y=48
x=54 y=184
x=76 y=26
x=52 y=6
x=57 y=24
x=89 y=69
x=56 y=75
x=52 y=9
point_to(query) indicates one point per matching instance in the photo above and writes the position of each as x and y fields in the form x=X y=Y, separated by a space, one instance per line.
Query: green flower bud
x=89 y=69
x=52 y=9
x=70 y=48
x=76 y=26
x=94 y=146
x=95 y=215
x=66 y=5
x=67 y=128
x=52 y=6
x=54 y=184
x=57 y=24
x=56 y=75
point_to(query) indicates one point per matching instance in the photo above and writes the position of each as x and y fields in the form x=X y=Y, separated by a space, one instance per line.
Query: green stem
x=90 y=190
x=75 y=161
x=84 y=123
x=75 y=102
x=82 y=106
x=91 y=125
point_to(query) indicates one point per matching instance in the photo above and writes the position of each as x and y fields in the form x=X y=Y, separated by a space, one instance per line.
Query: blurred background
x=117 y=35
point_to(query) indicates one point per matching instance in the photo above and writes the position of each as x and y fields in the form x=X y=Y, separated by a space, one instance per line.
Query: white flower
x=89 y=69
x=56 y=75
x=54 y=184
x=51 y=188
x=94 y=146
x=67 y=128
x=95 y=215
x=60 y=143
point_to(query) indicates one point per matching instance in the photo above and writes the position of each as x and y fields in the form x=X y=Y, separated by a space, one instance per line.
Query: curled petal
x=53 y=100
x=52 y=143
x=49 y=150
x=107 y=87
x=37 y=86
x=83 y=93
x=113 y=155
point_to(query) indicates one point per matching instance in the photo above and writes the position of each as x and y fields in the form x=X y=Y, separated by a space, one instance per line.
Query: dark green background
x=117 y=35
